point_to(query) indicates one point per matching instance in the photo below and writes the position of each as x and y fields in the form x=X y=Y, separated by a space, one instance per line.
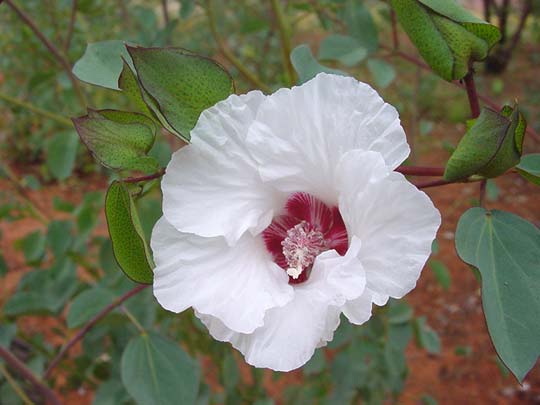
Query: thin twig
x=420 y=171
x=227 y=53
x=21 y=191
x=60 y=58
x=472 y=94
x=284 y=35
x=483 y=185
x=90 y=324
x=145 y=178
x=527 y=9
x=53 y=116
x=27 y=374
x=71 y=26
x=14 y=386
x=165 y=11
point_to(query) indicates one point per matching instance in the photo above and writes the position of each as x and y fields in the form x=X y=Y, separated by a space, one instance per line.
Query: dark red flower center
x=308 y=228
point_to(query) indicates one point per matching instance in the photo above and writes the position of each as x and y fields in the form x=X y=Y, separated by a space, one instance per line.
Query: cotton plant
x=291 y=209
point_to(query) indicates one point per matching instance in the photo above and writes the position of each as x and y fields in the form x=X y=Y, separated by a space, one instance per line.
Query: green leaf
x=157 y=371
x=426 y=337
x=360 y=25
x=3 y=266
x=129 y=85
x=316 y=364
x=59 y=237
x=529 y=167
x=7 y=333
x=186 y=8
x=382 y=72
x=61 y=154
x=101 y=63
x=506 y=250
x=129 y=246
x=111 y=392
x=442 y=275
x=446 y=35
x=119 y=140
x=182 y=85
x=307 y=66
x=33 y=247
x=491 y=146
x=399 y=312
x=230 y=372
x=86 y=305
x=343 y=49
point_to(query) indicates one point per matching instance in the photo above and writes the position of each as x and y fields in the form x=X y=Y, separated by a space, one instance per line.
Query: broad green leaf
x=182 y=85
x=61 y=154
x=343 y=49
x=360 y=24
x=447 y=36
x=383 y=73
x=101 y=63
x=119 y=140
x=3 y=265
x=442 y=275
x=158 y=371
x=111 y=392
x=529 y=167
x=399 y=312
x=491 y=146
x=307 y=66
x=230 y=372
x=186 y=8
x=129 y=85
x=87 y=304
x=7 y=333
x=426 y=337
x=506 y=250
x=129 y=246
x=316 y=364
x=59 y=237
x=33 y=247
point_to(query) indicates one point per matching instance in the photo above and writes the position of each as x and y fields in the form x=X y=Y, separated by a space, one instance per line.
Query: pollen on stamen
x=301 y=246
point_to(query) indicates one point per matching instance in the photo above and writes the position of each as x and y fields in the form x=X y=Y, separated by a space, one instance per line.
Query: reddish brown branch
x=145 y=178
x=434 y=183
x=420 y=170
x=90 y=324
x=395 y=37
x=17 y=365
x=472 y=94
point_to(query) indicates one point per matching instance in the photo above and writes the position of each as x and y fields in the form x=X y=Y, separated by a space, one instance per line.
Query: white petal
x=235 y=284
x=291 y=333
x=358 y=311
x=300 y=134
x=395 y=221
x=212 y=187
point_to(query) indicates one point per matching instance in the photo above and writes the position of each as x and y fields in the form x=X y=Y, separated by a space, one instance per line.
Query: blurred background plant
x=57 y=267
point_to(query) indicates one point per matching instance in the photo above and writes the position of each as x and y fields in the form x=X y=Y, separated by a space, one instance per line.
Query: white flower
x=285 y=211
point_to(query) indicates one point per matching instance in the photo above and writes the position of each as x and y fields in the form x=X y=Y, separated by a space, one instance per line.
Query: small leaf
x=182 y=85
x=230 y=372
x=343 y=49
x=60 y=237
x=442 y=275
x=3 y=266
x=86 y=305
x=307 y=66
x=446 y=35
x=506 y=250
x=382 y=72
x=33 y=247
x=61 y=154
x=186 y=8
x=399 y=312
x=529 y=167
x=118 y=140
x=102 y=63
x=426 y=337
x=491 y=146
x=360 y=25
x=129 y=85
x=129 y=247
x=157 y=371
